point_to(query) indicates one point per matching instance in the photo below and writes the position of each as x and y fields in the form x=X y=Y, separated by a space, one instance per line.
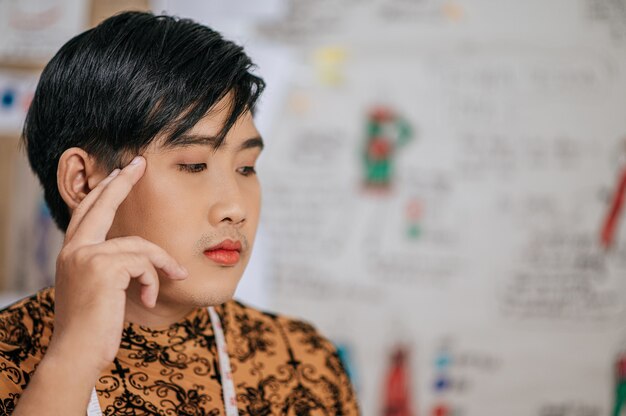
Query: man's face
x=194 y=198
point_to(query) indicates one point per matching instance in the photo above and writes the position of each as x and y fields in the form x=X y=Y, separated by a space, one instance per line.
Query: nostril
x=231 y=220
x=223 y=212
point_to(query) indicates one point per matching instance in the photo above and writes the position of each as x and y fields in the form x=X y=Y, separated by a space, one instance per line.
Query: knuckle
x=64 y=254
x=83 y=261
x=149 y=266
x=116 y=243
x=134 y=239
x=72 y=256
x=138 y=262
x=63 y=258
x=135 y=258
x=81 y=255
x=95 y=261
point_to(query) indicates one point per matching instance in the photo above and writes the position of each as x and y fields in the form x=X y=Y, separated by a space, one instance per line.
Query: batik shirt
x=280 y=366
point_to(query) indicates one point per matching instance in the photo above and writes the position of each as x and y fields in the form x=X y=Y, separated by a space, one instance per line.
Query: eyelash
x=192 y=168
x=248 y=170
x=199 y=167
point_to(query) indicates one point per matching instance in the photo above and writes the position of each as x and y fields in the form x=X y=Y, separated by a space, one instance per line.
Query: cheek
x=156 y=210
x=170 y=209
x=252 y=197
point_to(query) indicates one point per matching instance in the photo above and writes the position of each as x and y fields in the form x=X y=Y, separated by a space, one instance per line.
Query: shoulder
x=25 y=330
x=302 y=336
x=26 y=326
x=42 y=300
x=296 y=353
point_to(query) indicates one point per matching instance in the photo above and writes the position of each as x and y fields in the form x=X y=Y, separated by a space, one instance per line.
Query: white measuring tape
x=228 y=387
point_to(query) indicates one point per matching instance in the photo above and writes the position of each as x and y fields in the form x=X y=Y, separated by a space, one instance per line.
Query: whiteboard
x=483 y=246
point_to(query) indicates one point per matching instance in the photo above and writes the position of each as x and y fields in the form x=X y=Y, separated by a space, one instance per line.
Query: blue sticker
x=8 y=98
x=441 y=384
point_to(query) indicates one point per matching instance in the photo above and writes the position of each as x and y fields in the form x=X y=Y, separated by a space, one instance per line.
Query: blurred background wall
x=443 y=186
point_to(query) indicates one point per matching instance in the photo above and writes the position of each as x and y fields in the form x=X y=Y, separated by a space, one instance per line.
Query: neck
x=162 y=315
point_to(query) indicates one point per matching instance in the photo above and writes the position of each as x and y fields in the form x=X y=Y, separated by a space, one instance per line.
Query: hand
x=93 y=274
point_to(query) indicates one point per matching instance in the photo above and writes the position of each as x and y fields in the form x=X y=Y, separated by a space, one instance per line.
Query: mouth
x=226 y=253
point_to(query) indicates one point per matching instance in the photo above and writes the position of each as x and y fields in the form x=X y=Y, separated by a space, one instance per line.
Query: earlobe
x=76 y=176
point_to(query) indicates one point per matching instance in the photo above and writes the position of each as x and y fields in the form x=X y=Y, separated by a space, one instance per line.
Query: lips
x=226 y=253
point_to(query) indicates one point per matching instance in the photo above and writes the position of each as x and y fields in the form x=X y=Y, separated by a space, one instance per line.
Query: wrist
x=59 y=386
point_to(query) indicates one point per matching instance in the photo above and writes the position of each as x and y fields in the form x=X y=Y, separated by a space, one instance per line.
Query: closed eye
x=192 y=167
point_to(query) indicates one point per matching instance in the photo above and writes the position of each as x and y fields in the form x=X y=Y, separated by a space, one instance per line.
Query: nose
x=227 y=205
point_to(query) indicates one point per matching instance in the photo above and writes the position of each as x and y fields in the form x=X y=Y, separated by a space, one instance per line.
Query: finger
x=85 y=204
x=140 y=268
x=148 y=296
x=97 y=221
x=158 y=257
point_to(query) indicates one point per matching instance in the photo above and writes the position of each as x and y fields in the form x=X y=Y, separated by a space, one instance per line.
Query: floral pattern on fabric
x=280 y=366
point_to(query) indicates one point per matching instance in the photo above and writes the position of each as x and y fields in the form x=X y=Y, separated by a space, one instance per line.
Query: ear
x=77 y=174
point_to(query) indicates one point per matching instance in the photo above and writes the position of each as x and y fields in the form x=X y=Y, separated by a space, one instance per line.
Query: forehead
x=207 y=130
x=212 y=124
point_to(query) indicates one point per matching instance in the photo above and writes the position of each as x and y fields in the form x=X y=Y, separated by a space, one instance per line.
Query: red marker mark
x=397 y=399
x=612 y=218
x=441 y=410
x=621 y=367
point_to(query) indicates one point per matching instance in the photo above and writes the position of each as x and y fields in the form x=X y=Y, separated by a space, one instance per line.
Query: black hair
x=112 y=89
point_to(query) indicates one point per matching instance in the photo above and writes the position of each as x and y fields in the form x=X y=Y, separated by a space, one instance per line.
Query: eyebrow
x=255 y=142
x=196 y=139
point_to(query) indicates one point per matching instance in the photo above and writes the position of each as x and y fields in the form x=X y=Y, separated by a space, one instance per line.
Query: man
x=141 y=133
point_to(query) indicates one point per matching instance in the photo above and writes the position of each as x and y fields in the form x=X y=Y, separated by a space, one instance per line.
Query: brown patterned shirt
x=280 y=366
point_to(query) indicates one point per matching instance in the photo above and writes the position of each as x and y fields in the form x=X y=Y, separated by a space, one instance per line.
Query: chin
x=210 y=293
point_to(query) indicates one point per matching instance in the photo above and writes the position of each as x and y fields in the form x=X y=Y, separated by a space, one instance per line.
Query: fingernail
x=114 y=173
x=136 y=160
x=183 y=271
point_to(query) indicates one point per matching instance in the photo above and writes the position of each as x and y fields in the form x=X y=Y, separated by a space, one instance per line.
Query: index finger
x=85 y=205
x=98 y=220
